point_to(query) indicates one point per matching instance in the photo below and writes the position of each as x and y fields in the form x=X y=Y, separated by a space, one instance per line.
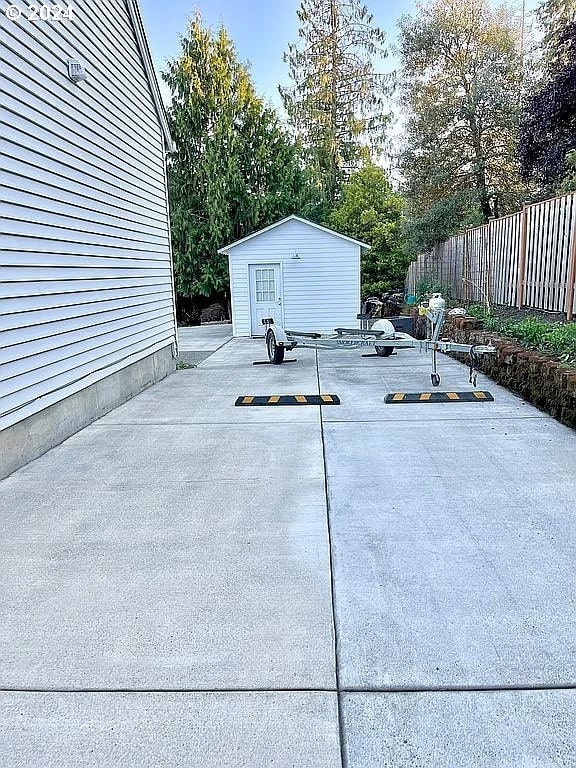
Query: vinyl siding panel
x=321 y=290
x=47 y=183
x=85 y=262
x=23 y=67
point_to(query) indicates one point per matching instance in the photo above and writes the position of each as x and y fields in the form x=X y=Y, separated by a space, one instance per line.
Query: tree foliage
x=235 y=168
x=554 y=17
x=441 y=220
x=371 y=212
x=336 y=101
x=462 y=76
x=547 y=137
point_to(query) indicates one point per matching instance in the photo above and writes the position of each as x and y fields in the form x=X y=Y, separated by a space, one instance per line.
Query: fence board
x=491 y=261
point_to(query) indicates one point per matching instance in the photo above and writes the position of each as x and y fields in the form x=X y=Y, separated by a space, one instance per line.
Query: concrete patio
x=188 y=583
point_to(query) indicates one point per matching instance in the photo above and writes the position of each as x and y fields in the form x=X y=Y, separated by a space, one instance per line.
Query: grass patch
x=182 y=365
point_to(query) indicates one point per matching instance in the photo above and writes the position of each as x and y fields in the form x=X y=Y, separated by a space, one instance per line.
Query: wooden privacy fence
x=527 y=259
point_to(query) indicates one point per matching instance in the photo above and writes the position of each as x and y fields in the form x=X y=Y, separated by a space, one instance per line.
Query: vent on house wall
x=76 y=71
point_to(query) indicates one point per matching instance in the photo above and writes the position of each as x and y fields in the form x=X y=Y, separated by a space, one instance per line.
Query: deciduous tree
x=461 y=82
x=371 y=212
x=554 y=17
x=547 y=141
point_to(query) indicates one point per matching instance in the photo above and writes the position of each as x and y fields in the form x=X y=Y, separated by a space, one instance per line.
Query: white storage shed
x=305 y=276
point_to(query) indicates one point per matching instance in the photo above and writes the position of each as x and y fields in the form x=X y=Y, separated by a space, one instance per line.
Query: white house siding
x=85 y=267
x=321 y=289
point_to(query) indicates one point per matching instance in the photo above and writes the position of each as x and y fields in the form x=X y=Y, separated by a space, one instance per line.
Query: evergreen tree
x=554 y=17
x=235 y=168
x=336 y=101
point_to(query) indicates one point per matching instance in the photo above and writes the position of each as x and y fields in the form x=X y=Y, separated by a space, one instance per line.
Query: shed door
x=265 y=295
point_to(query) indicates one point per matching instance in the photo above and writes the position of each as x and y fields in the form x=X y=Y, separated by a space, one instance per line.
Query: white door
x=265 y=295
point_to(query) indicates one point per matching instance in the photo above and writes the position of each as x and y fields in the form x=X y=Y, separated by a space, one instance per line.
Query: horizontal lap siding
x=85 y=269
x=240 y=295
x=321 y=289
x=324 y=293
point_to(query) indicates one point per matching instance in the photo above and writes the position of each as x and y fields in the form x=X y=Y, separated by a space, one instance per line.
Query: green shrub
x=479 y=311
x=558 y=339
x=530 y=332
x=498 y=325
x=561 y=339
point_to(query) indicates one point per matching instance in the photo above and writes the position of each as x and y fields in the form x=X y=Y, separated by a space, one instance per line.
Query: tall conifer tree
x=235 y=169
x=336 y=101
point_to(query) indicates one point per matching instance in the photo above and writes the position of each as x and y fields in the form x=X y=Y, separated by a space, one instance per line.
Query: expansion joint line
x=343 y=751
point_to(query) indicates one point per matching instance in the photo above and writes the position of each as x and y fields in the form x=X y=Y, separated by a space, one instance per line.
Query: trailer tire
x=275 y=351
x=384 y=351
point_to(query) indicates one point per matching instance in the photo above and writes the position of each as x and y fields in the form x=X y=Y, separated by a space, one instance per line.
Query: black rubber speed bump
x=267 y=362
x=288 y=400
x=439 y=397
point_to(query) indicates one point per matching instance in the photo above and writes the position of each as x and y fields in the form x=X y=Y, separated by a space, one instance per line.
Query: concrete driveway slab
x=362 y=396
x=167 y=453
x=453 y=544
x=408 y=359
x=367 y=360
x=503 y=729
x=143 y=553
x=512 y=449
x=203 y=338
x=245 y=352
x=195 y=398
x=431 y=598
x=181 y=544
x=153 y=730
x=265 y=378
x=165 y=585
x=197 y=343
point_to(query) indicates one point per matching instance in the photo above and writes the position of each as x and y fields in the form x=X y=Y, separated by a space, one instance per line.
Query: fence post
x=522 y=258
x=571 y=271
x=488 y=262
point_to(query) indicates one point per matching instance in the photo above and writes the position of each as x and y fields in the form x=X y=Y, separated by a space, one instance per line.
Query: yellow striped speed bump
x=439 y=397
x=288 y=400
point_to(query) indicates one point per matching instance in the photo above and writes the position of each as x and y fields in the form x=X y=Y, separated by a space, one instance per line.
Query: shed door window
x=265 y=284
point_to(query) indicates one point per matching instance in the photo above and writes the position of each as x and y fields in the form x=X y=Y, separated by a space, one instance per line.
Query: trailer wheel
x=384 y=351
x=275 y=351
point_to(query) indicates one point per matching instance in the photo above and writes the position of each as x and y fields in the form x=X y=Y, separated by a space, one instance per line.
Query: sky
x=260 y=29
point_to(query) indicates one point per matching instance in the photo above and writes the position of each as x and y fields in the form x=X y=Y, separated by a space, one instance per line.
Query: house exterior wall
x=321 y=289
x=86 y=285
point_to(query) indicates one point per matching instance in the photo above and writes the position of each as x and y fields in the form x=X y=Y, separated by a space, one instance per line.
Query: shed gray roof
x=228 y=248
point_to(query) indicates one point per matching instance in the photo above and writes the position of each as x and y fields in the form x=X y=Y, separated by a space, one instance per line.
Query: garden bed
x=547 y=381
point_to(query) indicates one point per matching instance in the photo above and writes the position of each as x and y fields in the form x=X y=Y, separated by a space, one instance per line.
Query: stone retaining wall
x=536 y=377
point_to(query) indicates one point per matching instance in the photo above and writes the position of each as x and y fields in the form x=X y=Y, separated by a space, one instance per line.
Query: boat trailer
x=382 y=337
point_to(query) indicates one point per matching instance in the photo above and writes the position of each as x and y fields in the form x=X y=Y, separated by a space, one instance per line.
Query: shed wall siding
x=321 y=290
x=85 y=265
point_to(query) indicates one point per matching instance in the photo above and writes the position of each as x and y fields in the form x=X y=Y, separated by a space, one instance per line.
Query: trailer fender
x=389 y=332
x=279 y=333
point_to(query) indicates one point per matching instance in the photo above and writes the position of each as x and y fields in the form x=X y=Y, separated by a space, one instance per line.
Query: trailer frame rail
x=383 y=340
